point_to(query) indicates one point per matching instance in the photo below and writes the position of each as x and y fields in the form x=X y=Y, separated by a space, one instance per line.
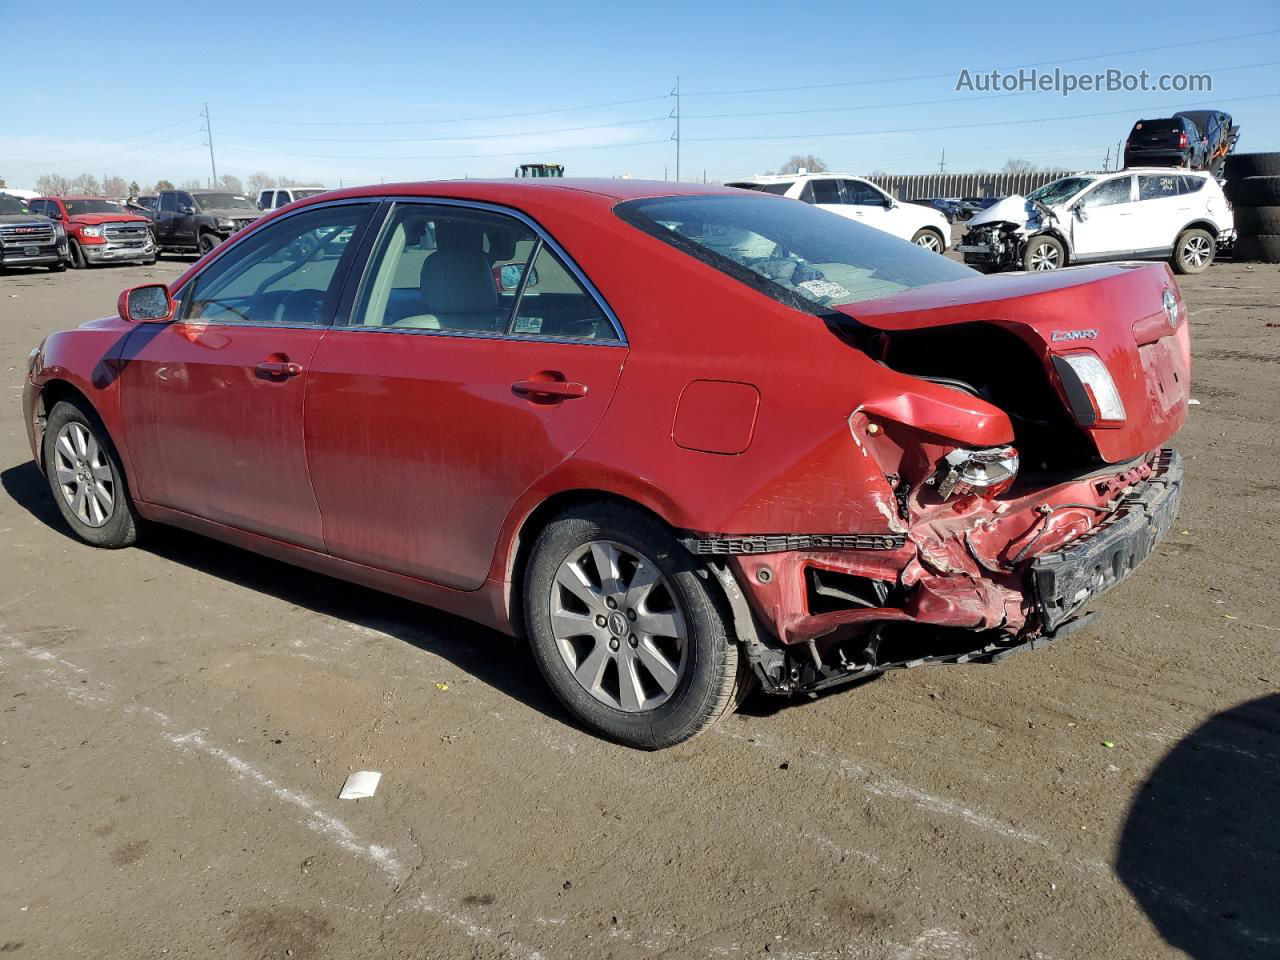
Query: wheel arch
x=1200 y=223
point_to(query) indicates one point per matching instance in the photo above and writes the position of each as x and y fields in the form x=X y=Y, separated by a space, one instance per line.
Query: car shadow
x=491 y=657
x=1200 y=849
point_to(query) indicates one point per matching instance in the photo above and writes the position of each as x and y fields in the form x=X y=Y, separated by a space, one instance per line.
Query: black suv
x=196 y=221
x=1194 y=139
x=28 y=239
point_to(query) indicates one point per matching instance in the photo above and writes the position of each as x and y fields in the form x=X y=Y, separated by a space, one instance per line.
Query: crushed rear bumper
x=1065 y=581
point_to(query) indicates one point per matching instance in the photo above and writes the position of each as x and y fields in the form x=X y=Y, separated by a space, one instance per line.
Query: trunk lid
x=1116 y=312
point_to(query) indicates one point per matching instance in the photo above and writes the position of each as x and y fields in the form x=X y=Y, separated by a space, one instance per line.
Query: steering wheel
x=299 y=306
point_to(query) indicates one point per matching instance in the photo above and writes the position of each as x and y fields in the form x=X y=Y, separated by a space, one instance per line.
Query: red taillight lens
x=1182 y=140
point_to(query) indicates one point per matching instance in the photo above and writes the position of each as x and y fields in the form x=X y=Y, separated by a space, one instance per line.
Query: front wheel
x=207 y=242
x=930 y=239
x=1044 y=253
x=627 y=630
x=77 y=257
x=85 y=477
x=1193 y=251
x=58 y=267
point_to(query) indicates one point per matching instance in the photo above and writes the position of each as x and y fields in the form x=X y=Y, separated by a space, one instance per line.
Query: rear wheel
x=85 y=477
x=58 y=267
x=930 y=239
x=1193 y=251
x=627 y=630
x=1044 y=253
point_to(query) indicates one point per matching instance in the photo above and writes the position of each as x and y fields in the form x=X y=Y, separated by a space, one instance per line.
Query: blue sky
x=354 y=93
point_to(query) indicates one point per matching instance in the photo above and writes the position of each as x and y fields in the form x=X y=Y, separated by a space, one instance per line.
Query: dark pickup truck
x=28 y=239
x=196 y=221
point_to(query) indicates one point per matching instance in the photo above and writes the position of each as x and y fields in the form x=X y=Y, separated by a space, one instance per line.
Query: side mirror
x=1080 y=212
x=146 y=304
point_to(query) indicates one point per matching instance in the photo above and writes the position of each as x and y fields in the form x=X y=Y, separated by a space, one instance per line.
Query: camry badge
x=1059 y=336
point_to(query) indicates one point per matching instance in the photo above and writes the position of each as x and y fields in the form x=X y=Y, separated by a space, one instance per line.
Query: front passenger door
x=213 y=401
x=1103 y=221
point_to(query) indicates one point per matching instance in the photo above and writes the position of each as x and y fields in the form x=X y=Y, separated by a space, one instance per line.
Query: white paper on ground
x=360 y=785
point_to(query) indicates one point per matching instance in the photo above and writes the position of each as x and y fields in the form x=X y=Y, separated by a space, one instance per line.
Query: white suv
x=1143 y=213
x=859 y=200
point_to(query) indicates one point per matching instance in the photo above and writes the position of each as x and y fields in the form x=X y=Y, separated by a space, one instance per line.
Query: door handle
x=279 y=368
x=560 y=389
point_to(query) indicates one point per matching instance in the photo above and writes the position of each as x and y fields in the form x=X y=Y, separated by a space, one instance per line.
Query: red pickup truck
x=100 y=230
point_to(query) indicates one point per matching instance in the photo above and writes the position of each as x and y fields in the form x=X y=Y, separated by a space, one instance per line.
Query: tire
x=58 y=267
x=930 y=239
x=703 y=677
x=1251 y=221
x=1264 y=248
x=1241 y=165
x=78 y=260
x=1193 y=251
x=1044 y=253
x=207 y=243
x=106 y=518
x=1254 y=192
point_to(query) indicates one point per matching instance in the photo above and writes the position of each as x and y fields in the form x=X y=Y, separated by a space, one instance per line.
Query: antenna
x=208 y=130
x=675 y=114
x=942 y=164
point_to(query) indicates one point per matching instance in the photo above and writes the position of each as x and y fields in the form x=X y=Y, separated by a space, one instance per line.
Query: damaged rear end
x=1026 y=470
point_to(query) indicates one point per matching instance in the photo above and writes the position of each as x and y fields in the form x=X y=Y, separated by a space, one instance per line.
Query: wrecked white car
x=1145 y=214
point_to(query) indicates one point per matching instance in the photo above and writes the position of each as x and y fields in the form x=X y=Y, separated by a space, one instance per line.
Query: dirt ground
x=176 y=721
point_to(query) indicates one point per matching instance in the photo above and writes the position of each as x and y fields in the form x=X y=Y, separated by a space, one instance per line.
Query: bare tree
x=807 y=162
x=87 y=185
x=115 y=187
x=291 y=182
x=192 y=185
x=2 y=183
x=1014 y=165
x=260 y=181
x=230 y=183
x=163 y=185
x=53 y=185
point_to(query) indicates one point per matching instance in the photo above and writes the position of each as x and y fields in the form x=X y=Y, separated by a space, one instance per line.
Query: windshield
x=793 y=252
x=1060 y=191
x=223 y=201
x=778 y=188
x=12 y=205
x=92 y=206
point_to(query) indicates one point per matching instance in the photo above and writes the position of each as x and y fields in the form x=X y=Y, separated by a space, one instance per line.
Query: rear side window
x=798 y=255
x=1158 y=186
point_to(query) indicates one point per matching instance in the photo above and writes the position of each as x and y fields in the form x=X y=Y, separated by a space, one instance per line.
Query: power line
x=962 y=126
x=455 y=156
x=492 y=116
x=952 y=73
x=474 y=136
x=132 y=136
x=143 y=146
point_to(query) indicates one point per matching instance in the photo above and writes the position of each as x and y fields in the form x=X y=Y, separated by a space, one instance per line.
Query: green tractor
x=540 y=170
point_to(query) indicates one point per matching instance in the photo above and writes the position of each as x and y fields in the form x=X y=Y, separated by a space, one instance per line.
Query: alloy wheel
x=83 y=475
x=618 y=626
x=1044 y=256
x=1196 y=252
x=929 y=242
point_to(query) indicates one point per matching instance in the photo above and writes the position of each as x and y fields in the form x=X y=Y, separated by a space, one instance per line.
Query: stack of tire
x=1253 y=187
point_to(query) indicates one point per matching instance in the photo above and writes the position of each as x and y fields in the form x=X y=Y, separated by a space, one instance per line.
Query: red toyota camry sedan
x=685 y=440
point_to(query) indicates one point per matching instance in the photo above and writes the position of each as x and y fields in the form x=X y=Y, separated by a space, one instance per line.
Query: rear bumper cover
x=1065 y=581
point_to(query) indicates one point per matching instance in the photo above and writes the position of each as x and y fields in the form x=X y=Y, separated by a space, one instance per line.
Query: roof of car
x=789 y=177
x=615 y=189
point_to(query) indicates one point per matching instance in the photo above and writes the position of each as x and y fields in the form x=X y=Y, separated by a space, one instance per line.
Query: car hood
x=93 y=219
x=31 y=218
x=231 y=214
x=1115 y=311
x=1013 y=209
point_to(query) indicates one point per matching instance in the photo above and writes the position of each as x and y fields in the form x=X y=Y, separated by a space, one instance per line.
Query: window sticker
x=823 y=288
x=528 y=325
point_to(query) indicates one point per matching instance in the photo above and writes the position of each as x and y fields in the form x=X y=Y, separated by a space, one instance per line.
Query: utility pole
x=208 y=130
x=942 y=164
x=675 y=114
x=1119 y=156
x=1106 y=164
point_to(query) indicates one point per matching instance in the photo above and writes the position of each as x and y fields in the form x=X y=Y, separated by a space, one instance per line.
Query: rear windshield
x=223 y=201
x=1173 y=125
x=795 y=253
x=303 y=194
x=778 y=188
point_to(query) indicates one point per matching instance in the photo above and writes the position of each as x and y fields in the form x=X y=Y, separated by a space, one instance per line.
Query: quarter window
x=1158 y=186
x=289 y=272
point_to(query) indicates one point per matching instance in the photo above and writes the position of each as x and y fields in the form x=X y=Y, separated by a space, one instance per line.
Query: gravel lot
x=178 y=719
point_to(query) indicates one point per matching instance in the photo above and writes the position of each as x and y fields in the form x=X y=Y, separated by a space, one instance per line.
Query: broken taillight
x=984 y=472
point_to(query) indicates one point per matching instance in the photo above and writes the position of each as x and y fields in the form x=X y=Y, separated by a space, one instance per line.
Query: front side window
x=825 y=191
x=799 y=256
x=459 y=270
x=289 y=272
x=169 y=202
x=857 y=192
x=1109 y=193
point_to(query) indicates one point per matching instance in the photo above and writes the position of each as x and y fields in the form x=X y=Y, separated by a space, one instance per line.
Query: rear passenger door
x=1162 y=210
x=473 y=359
